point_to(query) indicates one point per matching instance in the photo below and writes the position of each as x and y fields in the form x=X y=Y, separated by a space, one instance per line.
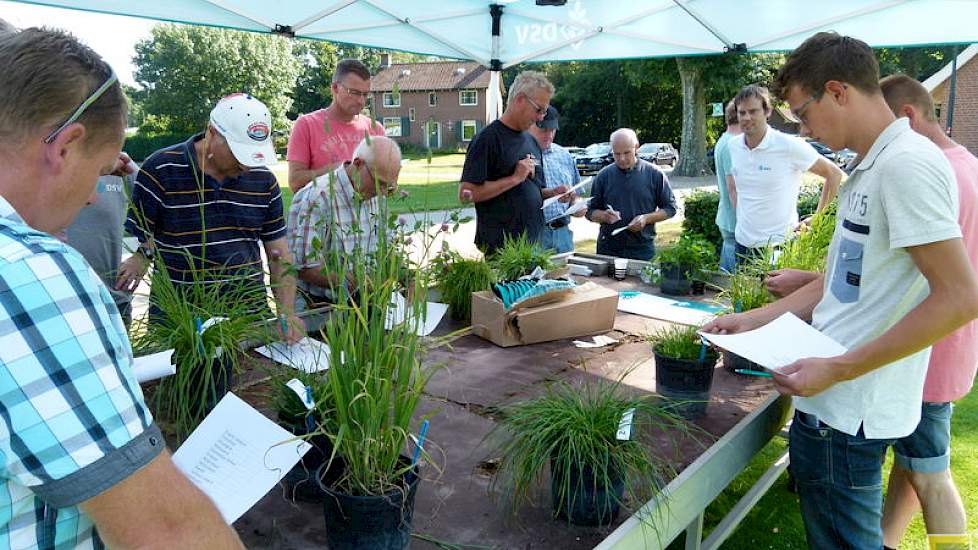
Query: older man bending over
x=338 y=214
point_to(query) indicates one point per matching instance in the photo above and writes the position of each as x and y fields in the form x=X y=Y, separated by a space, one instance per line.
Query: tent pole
x=952 y=91
x=494 y=104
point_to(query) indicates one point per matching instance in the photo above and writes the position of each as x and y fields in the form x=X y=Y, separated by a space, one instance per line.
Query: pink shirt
x=954 y=359
x=314 y=146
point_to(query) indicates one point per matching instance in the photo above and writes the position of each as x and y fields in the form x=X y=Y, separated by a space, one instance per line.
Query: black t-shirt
x=493 y=155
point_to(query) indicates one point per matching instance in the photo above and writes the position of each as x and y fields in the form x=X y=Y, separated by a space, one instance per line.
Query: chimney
x=385 y=60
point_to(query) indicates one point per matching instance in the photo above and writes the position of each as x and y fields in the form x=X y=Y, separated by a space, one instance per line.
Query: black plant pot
x=589 y=501
x=301 y=479
x=698 y=287
x=370 y=522
x=674 y=281
x=685 y=383
x=732 y=362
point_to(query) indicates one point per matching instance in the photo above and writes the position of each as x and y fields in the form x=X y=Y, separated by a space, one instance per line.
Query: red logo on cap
x=258 y=157
x=258 y=131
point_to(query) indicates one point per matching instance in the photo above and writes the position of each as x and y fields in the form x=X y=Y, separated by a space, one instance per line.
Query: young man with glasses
x=85 y=465
x=765 y=176
x=897 y=280
x=324 y=139
x=339 y=214
x=503 y=174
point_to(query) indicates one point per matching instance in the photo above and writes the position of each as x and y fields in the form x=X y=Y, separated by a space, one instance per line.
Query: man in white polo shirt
x=765 y=178
x=897 y=280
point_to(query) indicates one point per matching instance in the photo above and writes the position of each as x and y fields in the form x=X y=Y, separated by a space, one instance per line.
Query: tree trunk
x=692 y=153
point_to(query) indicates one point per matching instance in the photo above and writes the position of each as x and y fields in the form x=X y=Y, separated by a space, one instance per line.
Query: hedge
x=139 y=146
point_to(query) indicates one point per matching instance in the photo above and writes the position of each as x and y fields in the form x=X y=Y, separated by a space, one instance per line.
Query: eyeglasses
x=540 y=110
x=800 y=111
x=380 y=185
x=83 y=107
x=351 y=91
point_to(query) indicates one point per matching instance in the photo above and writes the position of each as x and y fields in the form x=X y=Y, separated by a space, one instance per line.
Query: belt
x=559 y=222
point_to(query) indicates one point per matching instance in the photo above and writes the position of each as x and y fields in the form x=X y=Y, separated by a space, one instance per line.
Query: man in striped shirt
x=206 y=204
x=339 y=214
x=82 y=464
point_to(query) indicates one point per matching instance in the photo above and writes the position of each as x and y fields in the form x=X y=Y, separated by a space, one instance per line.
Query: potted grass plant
x=518 y=257
x=745 y=292
x=457 y=278
x=574 y=431
x=376 y=378
x=681 y=263
x=683 y=369
x=206 y=357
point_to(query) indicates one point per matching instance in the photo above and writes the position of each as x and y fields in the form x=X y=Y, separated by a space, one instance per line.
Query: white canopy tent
x=501 y=33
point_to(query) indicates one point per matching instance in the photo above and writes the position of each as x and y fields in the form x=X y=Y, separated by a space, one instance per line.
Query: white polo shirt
x=902 y=194
x=767 y=179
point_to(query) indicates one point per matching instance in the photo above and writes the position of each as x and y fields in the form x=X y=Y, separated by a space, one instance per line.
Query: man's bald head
x=624 y=147
x=382 y=157
x=624 y=137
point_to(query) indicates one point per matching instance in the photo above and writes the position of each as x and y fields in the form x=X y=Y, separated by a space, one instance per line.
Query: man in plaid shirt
x=561 y=174
x=337 y=214
x=82 y=465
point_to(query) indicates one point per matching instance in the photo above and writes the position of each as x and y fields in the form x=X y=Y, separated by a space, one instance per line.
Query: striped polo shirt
x=199 y=223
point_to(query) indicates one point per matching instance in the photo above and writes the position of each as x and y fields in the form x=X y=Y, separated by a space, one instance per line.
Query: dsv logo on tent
x=547 y=33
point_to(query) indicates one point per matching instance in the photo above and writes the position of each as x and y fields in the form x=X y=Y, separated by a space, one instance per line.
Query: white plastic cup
x=621 y=268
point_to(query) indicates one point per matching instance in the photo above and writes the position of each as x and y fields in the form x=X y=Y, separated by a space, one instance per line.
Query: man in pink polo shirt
x=921 y=468
x=324 y=139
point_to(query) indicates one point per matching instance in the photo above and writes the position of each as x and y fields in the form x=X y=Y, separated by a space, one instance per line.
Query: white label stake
x=625 y=425
x=299 y=388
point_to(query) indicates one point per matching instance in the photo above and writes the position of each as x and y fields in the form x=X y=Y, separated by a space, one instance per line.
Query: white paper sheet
x=307 y=355
x=237 y=455
x=555 y=198
x=398 y=313
x=664 y=309
x=156 y=365
x=572 y=209
x=779 y=343
x=599 y=342
x=619 y=230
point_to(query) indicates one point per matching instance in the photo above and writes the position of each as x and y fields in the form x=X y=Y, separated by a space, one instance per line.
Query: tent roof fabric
x=580 y=29
x=414 y=77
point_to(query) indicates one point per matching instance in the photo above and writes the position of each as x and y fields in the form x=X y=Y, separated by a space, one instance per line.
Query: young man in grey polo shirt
x=897 y=235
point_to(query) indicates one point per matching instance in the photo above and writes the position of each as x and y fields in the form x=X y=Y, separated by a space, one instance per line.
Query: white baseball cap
x=247 y=126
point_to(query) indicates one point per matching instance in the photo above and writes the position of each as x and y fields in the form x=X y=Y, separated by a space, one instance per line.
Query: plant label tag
x=625 y=426
x=299 y=388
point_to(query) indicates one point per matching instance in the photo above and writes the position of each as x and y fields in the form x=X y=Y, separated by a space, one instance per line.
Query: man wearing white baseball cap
x=204 y=205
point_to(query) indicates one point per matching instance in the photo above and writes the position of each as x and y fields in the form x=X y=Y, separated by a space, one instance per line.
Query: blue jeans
x=928 y=449
x=728 y=252
x=560 y=239
x=840 y=484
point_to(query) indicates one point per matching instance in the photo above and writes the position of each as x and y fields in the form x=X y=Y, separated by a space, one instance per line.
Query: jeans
x=728 y=252
x=560 y=239
x=928 y=449
x=840 y=484
x=636 y=251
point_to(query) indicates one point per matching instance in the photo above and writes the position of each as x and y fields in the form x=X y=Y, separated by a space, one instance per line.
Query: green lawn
x=431 y=186
x=775 y=522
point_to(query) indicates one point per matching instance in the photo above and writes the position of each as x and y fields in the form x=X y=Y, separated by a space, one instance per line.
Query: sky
x=114 y=37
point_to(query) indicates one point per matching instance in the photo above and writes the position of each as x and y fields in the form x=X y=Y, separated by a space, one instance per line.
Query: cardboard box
x=589 y=310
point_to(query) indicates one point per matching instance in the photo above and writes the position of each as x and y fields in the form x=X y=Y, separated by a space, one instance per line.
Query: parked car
x=844 y=157
x=574 y=151
x=594 y=158
x=658 y=153
x=824 y=150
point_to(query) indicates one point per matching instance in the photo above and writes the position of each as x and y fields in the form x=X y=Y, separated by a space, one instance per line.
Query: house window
x=468 y=97
x=411 y=114
x=432 y=99
x=392 y=99
x=468 y=130
x=938 y=107
x=392 y=126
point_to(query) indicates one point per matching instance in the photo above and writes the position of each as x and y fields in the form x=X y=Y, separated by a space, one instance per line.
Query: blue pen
x=200 y=333
x=284 y=322
x=750 y=372
x=737 y=307
x=702 y=351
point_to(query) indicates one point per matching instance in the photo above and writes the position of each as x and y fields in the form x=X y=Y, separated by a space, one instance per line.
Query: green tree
x=186 y=69
x=137 y=113
x=917 y=62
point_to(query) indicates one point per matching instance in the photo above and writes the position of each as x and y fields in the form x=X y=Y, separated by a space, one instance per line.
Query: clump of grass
x=677 y=342
x=518 y=257
x=809 y=248
x=746 y=291
x=573 y=428
x=457 y=278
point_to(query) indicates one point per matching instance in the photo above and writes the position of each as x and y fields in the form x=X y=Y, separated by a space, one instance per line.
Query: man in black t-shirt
x=503 y=174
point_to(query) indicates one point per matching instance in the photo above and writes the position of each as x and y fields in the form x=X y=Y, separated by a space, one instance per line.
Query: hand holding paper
x=778 y=343
x=555 y=198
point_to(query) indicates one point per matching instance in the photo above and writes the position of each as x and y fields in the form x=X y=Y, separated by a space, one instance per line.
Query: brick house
x=441 y=105
x=965 y=129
